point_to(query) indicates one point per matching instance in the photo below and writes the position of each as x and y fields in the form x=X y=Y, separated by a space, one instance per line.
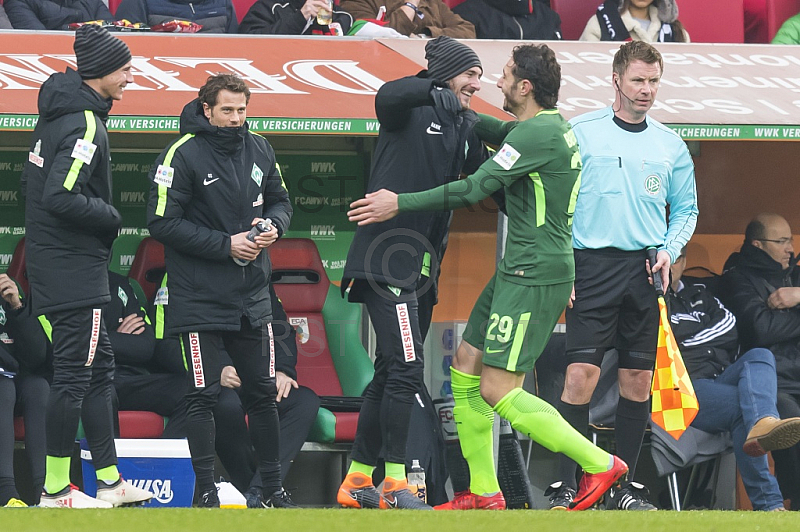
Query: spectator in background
x=789 y=32
x=295 y=17
x=5 y=24
x=54 y=15
x=762 y=288
x=415 y=18
x=637 y=20
x=25 y=368
x=737 y=394
x=216 y=16
x=511 y=19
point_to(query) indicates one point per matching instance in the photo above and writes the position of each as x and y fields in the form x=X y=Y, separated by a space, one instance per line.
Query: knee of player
x=634 y=384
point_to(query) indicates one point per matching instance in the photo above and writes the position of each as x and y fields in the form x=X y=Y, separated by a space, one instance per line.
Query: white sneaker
x=70 y=497
x=123 y=493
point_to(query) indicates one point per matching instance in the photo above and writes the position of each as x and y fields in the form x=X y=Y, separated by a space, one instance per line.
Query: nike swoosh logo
x=207 y=181
x=490 y=351
x=430 y=131
x=392 y=503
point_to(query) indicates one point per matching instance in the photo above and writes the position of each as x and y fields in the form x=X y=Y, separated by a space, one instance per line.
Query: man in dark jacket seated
x=511 y=19
x=54 y=14
x=762 y=288
x=295 y=17
x=736 y=395
x=216 y=16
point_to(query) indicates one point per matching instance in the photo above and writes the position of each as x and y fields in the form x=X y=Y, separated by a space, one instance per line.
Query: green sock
x=108 y=474
x=57 y=474
x=358 y=467
x=474 y=419
x=395 y=471
x=544 y=425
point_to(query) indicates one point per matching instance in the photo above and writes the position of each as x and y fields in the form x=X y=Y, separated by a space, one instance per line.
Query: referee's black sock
x=631 y=422
x=578 y=417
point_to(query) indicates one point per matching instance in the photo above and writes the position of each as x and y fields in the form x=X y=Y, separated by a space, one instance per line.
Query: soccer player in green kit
x=539 y=166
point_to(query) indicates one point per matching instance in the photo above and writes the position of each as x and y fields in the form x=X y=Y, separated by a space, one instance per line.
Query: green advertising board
x=321 y=187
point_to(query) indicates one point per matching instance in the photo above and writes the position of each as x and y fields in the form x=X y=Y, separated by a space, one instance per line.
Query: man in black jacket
x=511 y=19
x=54 y=14
x=295 y=17
x=736 y=395
x=762 y=288
x=70 y=225
x=426 y=139
x=208 y=189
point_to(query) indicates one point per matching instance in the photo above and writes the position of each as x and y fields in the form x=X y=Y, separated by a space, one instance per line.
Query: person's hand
x=267 y=238
x=284 y=384
x=229 y=378
x=131 y=324
x=662 y=265
x=784 y=297
x=571 y=300
x=446 y=99
x=374 y=207
x=312 y=7
x=9 y=291
x=243 y=249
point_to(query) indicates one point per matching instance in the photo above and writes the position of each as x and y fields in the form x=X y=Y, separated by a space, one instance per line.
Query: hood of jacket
x=757 y=261
x=224 y=139
x=65 y=93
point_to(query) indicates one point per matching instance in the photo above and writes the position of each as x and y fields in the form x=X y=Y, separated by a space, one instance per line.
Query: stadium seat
x=114 y=4
x=777 y=13
x=148 y=266
x=16 y=268
x=452 y=3
x=574 y=15
x=242 y=7
x=330 y=357
x=715 y=21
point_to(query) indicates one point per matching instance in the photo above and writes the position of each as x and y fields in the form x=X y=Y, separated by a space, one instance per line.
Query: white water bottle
x=416 y=481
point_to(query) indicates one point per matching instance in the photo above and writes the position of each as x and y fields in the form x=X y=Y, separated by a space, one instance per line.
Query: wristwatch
x=416 y=9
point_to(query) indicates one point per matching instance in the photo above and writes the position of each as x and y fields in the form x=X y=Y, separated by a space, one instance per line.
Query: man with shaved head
x=762 y=288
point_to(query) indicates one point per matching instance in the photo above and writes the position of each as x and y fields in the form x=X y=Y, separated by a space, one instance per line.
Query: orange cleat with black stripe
x=357 y=491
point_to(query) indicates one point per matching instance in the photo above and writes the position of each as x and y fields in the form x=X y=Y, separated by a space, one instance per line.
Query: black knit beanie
x=98 y=53
x=447 y=58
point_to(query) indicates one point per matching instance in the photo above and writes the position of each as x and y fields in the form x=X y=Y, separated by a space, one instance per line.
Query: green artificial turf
x=334 y=520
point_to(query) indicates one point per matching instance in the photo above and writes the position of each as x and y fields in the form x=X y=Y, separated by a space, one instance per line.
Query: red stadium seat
x=148 y=266
x=720 y=21
x=140 y=425
x=574 y=15
x=777 y=13
x=242 y=7
x=452 y=3
x=330 y=358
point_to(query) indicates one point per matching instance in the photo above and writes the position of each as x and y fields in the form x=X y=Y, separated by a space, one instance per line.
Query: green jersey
x=539 y=166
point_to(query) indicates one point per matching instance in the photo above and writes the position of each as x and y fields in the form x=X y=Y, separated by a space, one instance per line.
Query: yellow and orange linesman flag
x=674 y=403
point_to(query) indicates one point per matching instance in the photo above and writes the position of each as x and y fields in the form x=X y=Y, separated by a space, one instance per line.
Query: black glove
x=446 y=99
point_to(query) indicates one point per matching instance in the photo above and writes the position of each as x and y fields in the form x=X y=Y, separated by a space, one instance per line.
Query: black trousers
x=386 y=412
x=254 y=360
x=162 y=393
x=83 y=371
x=296 y=413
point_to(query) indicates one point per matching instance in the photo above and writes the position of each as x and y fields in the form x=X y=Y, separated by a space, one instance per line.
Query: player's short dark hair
x=755 y=230
x=230 y=82
x=537 y=63
x=636 y=51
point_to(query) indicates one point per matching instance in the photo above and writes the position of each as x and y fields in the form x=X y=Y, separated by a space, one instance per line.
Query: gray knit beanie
x=98 y=53
x=447 y=58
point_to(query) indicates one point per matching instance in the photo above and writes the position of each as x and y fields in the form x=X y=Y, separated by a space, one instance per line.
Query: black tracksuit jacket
x=205 y=187
x=420 y=146
x=69 y=219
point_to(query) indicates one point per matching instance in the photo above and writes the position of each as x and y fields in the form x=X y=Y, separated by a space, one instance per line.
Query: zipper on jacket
x=518 y=25
x=192 y=8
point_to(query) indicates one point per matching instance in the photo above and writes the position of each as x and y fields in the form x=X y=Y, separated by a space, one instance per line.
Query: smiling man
x=208 y=188
x=425 y=140
x=71 y=224
x=633 y=167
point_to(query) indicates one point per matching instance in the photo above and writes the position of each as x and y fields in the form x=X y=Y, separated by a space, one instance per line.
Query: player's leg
x=201 y=350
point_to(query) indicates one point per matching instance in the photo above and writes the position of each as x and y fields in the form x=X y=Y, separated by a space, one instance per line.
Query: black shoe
x=209 y=499
x=254 y=497
x=279 y=499
x=631 y=497
x=561 y=495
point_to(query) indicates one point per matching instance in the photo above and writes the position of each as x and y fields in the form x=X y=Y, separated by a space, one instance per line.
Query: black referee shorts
x=615 y=307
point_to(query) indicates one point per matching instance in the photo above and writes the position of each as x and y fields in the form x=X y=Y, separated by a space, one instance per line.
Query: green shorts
x=511 y=323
